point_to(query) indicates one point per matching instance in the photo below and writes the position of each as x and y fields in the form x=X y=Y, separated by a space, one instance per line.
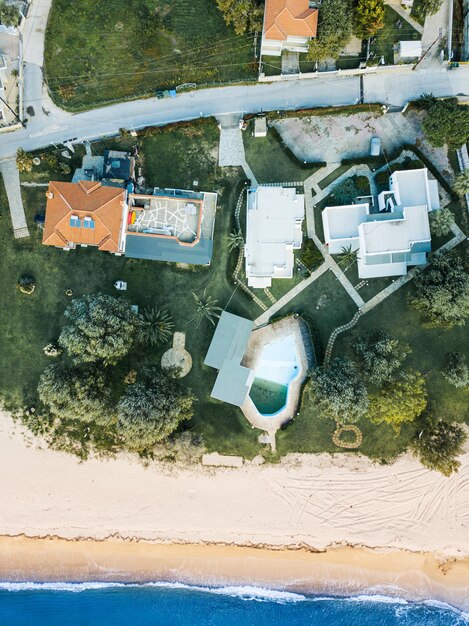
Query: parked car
x=375 y=146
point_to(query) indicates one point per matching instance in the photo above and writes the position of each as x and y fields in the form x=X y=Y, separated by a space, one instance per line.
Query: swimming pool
x=277 y=367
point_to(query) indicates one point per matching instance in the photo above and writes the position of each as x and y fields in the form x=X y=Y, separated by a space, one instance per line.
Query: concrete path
x=231 y=151
x=435 y=29
x=11 y=179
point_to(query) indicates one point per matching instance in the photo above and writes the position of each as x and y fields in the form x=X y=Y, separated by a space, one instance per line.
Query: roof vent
x=49 y=195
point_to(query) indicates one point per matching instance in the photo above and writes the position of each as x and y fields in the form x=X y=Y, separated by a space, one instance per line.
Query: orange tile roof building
x=85 y=214
x=288 y=25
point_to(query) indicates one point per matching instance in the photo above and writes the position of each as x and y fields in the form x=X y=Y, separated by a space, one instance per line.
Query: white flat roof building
x=396 y=237
x=273 y=230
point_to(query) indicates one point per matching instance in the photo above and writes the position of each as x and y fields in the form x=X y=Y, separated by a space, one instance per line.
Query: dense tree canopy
x=442 y=293
x=447 y=122
x=151 y=409
x=455 y=369
x=369 y=18
x=379 y=356
x=438 y=443
x=244 y=15
x=79 y=392
x=100 y=328
x=441 y=222
x=9 y=14
x=400 y=400
x=335 y=29
x=338 y=391
x=426 y=7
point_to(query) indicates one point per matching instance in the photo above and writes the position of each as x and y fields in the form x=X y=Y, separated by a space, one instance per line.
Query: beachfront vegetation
x=244 y=15
x=100 y=328
x=79 y=392
x=338 y=391
x=335 y=28
x=442 y=293
x=369 y=18
x=151 y=409
x=438 y=443
x=95 y=55
x=455 y=369
x=401 y=399
x=441 y=222
x=379 y=356
x=446 y=122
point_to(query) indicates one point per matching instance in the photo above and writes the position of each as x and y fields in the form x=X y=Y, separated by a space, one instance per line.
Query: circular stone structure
x=177 y=358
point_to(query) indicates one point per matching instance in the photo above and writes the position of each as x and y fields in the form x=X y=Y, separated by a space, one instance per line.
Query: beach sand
x=409 y=526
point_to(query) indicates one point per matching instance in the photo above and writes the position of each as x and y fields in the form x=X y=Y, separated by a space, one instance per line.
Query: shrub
x=310 y=255
x=26 y=284
x=455 y=369
x=438 y=443
x=441 y=222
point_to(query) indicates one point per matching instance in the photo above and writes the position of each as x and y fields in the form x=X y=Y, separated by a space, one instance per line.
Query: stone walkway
x=231 y=151
x=290 y=62
x=11 y=179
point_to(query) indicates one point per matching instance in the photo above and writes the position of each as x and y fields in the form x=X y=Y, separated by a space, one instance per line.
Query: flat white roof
x=411 y=187
x=378 y=237
x=342 y=222
x=274 y=218
x=410 y=49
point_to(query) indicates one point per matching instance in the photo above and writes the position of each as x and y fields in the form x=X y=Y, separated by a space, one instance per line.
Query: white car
x=375 y=146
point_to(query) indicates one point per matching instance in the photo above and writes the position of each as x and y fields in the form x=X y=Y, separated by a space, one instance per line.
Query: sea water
x=167 y=604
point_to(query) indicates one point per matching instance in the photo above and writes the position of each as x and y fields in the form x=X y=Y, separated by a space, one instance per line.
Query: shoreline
x=341 y=571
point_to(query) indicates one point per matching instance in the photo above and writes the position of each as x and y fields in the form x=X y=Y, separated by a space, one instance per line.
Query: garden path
x=11 y=179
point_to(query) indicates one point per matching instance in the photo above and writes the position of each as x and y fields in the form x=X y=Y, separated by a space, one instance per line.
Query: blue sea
x=168 y=604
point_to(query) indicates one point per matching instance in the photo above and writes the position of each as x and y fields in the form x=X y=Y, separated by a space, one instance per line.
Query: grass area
x=384 y=40
x=94 y=51
x=371 y=287
x=272 y=161
x=30 y=322
x=271 y=65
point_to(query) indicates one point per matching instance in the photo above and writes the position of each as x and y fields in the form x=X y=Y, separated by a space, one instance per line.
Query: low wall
x=354 y=72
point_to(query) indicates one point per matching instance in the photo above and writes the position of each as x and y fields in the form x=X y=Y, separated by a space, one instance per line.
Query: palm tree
x=24 y=160
x=426 y=99
x=206 y=308
x=235 y=240
x=157 y=326
x=461 y=183
x=347 y=256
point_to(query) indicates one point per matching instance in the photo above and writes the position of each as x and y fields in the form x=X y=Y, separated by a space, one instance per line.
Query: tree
x=369 y=18
x=455 y=369
x=235 y=240
x=441 y=222
x=9 y=14
x=379 y=355
x=347 y=256
x=157 y=326
x=426 y=7
x=100 y=328
x=447 y=122
x=335 y=28
x=402 y=399
x=461 y=183
x=76 y=393
x=438 y=443
x=442 y=293
x=206 y=308
x=24 y=160
x=346 y=191
x=151 y=409
x=338 y=391
x=245 y=15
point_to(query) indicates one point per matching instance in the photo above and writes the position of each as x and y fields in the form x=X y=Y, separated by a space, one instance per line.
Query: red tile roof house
x=85 y=214
x=288 y=25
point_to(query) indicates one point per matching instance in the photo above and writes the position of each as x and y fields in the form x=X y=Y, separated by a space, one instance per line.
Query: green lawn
x=272 y=162
x=30 y=322
x=385 y=38
x=97 y=51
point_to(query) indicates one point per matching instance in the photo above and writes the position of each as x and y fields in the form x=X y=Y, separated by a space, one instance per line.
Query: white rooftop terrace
x=274 y=229
x=413 y=188
x=341 y=224
x=395 y=235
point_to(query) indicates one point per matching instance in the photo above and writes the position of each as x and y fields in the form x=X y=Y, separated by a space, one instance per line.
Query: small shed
x=260 y=127
x=410 y=49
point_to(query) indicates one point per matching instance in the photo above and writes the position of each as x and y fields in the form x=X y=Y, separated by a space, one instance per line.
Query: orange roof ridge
x=284 y=18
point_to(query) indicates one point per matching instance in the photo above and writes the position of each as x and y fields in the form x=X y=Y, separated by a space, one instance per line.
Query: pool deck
x=259 y=339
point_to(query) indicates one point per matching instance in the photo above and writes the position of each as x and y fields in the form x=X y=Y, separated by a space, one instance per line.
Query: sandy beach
x=118 y=520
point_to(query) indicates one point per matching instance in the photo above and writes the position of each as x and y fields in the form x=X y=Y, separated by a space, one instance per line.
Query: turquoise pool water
x=268 y=396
